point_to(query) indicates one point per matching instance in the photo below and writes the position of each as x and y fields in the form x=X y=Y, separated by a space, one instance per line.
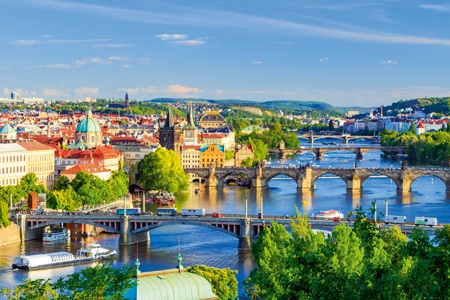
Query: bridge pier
x=354 y=184
x=126 y=238
x=305 y=183
x=245 y=239
x=27 y=235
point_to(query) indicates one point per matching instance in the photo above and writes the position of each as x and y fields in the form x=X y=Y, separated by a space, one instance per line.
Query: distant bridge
x=305 y=177
x=136 y=229
x=320 y=150
x=345 y=138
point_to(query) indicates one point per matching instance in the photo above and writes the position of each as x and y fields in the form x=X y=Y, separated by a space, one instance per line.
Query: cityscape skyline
x=345 y=54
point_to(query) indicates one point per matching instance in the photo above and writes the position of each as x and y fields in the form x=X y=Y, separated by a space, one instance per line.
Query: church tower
x=190 y=132
x=127 y=101
x=171 y=135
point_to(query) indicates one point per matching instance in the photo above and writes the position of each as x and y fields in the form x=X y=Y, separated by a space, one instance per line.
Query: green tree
x=223 y=281
x=62 y=183
x=260 y=151
x=4 y=214
x=162 y=170
x=99 y=282
x=229 y=154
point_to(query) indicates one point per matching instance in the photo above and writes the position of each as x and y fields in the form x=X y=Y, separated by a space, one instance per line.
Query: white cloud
x=54 y=41
x=324 y=59
x=86 y=91
x=6 y=91
x=189 y=42
x=257 y=62
x=176 y=88
x=54 y=93
x=56 y=66
x=389 y=62
x=171 y=37
x=436 y=7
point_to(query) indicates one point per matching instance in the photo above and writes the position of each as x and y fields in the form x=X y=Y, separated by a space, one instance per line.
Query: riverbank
x=10 y=234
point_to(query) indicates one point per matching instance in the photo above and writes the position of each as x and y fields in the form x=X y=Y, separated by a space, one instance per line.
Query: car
x=216 y=215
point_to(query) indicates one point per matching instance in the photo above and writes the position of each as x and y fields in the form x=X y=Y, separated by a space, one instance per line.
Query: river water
x=199 y=245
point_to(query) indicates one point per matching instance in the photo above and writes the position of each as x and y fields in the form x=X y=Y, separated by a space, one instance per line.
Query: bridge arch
x=325 y=175
x=187 y=222
x=427 y=174
x=78 y=221
x=380 y=172
x=134 y=187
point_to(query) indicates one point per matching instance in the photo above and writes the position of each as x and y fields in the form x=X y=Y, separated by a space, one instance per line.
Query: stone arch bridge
x=305 y=177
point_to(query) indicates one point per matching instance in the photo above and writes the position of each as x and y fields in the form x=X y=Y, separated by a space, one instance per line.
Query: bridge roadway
x=136 y=229
x=305 y=177
x=343 y=137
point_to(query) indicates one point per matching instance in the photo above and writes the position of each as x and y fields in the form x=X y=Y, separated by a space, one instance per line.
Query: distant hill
x=287 y=106
x=438 y=105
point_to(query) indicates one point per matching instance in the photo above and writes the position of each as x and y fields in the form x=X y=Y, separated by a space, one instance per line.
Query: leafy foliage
x=223 y=281
x=161 y=170
x=365 y=262
x=100 y=282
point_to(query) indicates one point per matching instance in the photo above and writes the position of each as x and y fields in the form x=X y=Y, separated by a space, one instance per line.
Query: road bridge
x=136 y=229
x=305 y=177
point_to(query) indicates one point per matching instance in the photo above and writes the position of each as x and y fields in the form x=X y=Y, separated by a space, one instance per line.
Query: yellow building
x=40 y=160
x=212 y=155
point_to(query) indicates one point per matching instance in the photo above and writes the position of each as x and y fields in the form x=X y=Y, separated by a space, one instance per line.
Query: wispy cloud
x=49 y=92
x=57 y=41
x=180 y=39
x=323 y=59
x=87 y=91
x=112 y=45
x=389 y=62
x=181 y=15
x=82 y=62
x=176 y=88
x=437 y=7
x=171 y=37
x=257 y=62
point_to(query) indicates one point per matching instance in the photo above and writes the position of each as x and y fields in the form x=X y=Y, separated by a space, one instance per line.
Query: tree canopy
x=99 y=282
x=364 y=262
x=161 y=170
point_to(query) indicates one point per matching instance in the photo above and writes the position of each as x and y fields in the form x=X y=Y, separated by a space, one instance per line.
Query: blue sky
x=361 y=53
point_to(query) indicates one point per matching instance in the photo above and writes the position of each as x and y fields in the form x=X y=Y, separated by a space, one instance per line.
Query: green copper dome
x=88 y=124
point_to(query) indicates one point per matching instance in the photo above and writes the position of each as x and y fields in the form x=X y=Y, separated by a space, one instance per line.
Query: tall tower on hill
x=127 y=101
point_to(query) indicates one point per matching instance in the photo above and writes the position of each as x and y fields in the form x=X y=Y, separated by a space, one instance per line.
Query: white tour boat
x=56 y=235
x=94 y=252
x=330 y=214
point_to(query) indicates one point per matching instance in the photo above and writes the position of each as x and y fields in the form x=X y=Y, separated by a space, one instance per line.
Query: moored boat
x=56 y=235
x=94 y=252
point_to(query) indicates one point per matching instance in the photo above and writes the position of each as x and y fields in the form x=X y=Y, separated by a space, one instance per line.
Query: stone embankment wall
x=10 y=234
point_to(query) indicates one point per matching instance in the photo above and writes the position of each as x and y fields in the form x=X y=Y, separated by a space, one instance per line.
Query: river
x=199 y=245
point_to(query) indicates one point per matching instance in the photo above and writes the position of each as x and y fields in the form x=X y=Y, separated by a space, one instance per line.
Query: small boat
x=57 y=234
x=94 y=252
x=197 y=191
x=330 y=214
